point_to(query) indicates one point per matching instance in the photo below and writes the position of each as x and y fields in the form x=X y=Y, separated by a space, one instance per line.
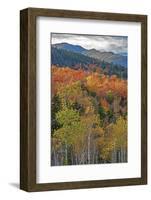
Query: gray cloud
x=116 y=44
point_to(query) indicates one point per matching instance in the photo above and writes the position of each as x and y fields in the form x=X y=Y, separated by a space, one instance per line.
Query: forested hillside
x=88 y=116
x=75 y=60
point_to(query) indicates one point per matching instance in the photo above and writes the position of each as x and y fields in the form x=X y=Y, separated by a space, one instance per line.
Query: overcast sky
x=116 y=44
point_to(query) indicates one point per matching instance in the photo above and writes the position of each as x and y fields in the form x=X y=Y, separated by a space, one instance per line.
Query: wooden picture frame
x=28 y=99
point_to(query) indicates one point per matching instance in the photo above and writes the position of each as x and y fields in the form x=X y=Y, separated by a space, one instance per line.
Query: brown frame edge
x=28 y=99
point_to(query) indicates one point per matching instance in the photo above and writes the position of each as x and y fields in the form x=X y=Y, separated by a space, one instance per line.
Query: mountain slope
x=63 y=57
x=109 y=57
x=69 y=47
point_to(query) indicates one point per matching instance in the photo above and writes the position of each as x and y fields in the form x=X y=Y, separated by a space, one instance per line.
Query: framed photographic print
x=83 y=92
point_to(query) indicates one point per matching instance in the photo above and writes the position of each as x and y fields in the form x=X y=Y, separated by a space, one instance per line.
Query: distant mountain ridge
x=69 y=47
x=110 y=57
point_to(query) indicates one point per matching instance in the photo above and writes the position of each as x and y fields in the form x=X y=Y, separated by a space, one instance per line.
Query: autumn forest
x=88 y=104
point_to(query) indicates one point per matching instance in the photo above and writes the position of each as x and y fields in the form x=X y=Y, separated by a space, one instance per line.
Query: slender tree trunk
x=89 y=148
x=72 y=158
x=55 y=159
x=66 y=154
x=114 y=155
